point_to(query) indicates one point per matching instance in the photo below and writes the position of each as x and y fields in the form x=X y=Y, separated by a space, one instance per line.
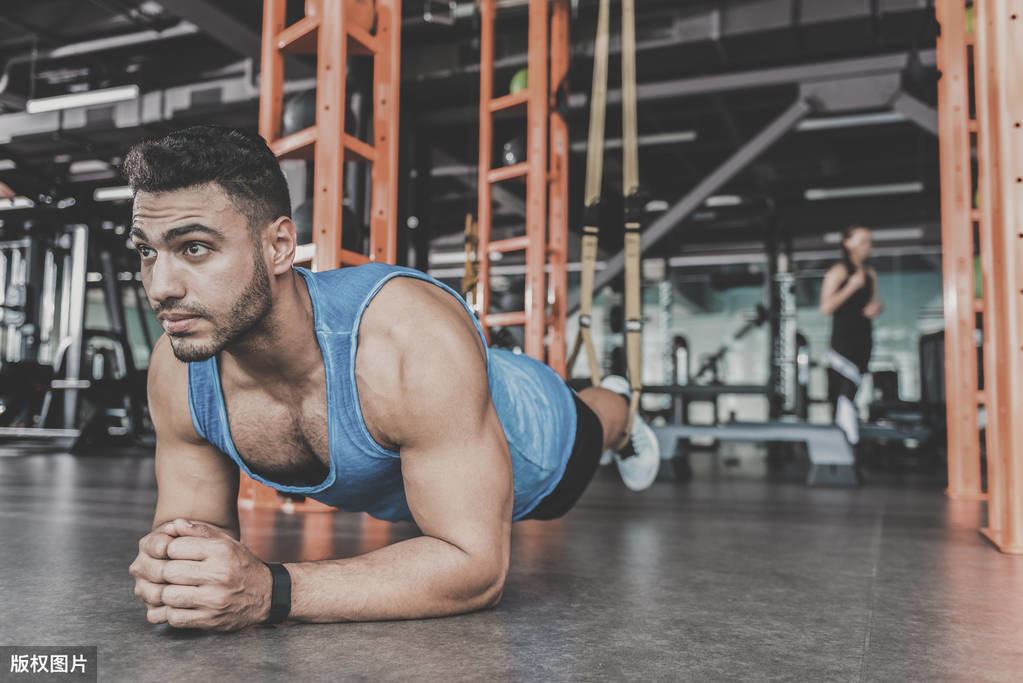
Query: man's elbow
x=491 y=596
x=491 y=586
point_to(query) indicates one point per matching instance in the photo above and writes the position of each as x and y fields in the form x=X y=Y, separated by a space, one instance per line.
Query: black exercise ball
x=299 y=112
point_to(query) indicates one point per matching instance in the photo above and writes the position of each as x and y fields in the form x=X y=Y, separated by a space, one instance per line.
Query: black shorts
x=582 y=465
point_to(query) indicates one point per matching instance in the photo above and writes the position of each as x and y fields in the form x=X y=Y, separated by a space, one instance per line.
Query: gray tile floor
x=732 y=576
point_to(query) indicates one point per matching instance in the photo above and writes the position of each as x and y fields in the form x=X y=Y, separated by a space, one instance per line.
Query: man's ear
x=281 y=235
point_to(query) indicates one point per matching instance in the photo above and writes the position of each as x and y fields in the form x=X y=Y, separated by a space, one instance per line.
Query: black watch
x=280 y=593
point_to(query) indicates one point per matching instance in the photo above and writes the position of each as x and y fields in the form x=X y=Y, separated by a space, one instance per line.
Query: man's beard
x=248 y=312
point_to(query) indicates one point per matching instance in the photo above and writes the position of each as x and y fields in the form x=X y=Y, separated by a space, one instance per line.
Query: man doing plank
x=367 y=388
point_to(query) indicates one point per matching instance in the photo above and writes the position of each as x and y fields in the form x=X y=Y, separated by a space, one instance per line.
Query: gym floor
x=732 y=576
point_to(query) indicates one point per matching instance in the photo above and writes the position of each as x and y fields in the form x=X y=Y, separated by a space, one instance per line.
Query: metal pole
x=916 y=111
x=76 y=320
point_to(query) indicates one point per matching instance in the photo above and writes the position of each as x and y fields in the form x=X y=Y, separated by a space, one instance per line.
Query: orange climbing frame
x=998 y=68
x=993 y=49
x=328 y=32
x=545 y=172
x=957 y=217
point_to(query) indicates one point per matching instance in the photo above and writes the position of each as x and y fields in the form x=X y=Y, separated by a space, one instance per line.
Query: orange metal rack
x=327 y=31
x=996 y=49
x=545 y=172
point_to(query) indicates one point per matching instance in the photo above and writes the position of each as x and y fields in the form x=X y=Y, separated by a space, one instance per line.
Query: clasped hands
x=195 y=575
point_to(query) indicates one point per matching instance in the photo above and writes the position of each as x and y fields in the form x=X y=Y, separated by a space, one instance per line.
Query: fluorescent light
x=817 y=194
x=7 y=165
x=890 y=235
x=642 y=140
x=87 y=166
x=723 y=200
x=111 y=194
x=16 y=203
x=82 y=99
x=875 y=119
x=656 y=205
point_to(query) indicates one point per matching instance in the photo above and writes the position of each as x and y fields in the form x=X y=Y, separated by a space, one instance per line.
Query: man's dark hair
x=238 y=162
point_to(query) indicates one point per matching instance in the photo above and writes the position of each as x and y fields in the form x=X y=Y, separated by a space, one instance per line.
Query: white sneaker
x=640 y=459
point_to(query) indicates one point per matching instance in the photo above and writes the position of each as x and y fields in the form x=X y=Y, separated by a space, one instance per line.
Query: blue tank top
x=535 y=406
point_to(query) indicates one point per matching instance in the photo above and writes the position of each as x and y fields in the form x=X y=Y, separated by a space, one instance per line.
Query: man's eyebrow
x=178 y=232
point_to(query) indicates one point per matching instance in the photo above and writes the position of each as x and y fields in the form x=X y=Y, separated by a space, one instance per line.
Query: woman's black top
x=851 y=331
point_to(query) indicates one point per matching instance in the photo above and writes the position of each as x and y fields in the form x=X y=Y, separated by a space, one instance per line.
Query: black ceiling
x=440 y=75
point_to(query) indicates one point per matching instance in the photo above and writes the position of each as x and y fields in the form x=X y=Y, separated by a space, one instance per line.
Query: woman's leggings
x=844 y=380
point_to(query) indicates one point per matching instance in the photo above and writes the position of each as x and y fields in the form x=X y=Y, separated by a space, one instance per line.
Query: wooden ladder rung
x=504 y=319
x=353 y=258
x=496 y=175
x=300 y=38
x=981 y=397
x=510 y=244
x=300 y=145
x=978 y=305
x=305 y=253
x=357 y=150
x=360 y=42
x=509 y=103
x=975 y=215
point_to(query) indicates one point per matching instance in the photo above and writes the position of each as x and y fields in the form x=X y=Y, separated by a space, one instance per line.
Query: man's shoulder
x=412 y=311
x=412 y=327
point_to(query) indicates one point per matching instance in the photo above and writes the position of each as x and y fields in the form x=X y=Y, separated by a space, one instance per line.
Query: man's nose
x=165 y=281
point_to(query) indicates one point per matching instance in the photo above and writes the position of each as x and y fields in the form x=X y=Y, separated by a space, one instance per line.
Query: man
x=367 y=388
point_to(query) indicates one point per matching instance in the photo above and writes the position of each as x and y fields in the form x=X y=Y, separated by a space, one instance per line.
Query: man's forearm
x=420 y=577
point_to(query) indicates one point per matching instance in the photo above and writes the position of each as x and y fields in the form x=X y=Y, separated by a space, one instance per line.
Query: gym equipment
x=302 y=217
x=831 y=456
x=299 y=112
x=351 y=238
x=338 y=32
x=362 y=12
x=471 y=276
x=633 y=206
x=439 y=12
x=591 y=210
x=542 y=239
x=680 y=377
x=60 y=384
x=712 y=364
x=40 y=333
x=519 y=82
x=513 y=152
x=801 y=408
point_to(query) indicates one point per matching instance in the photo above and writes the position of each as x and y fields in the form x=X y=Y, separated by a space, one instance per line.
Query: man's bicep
x=455 y=461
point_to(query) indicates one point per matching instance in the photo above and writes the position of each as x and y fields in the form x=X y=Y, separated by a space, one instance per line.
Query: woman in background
x=849 y=295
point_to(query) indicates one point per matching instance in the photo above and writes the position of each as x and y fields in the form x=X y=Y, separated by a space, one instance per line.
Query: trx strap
x=591 y=212
x=472 y=240
x=633 y=214
x=633 y=210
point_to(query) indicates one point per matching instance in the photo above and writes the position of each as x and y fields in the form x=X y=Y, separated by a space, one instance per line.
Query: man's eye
x=144 y=251
x=196 y=249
